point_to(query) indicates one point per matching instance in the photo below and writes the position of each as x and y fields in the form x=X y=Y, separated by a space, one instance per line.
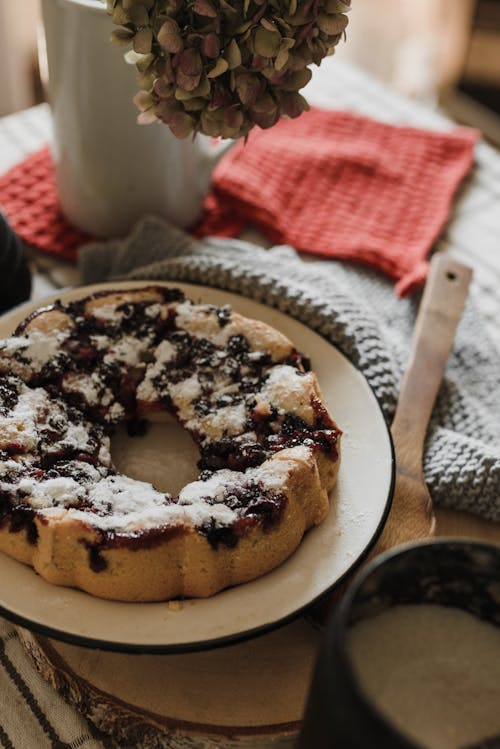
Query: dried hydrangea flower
x=222 y=66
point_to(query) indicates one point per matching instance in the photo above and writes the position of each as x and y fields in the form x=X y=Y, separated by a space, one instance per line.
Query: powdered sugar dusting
x=20 y=426
x=201 y=322
x=186 y=391
x=125 y=350
x=229 y=420
x=87 y=386
x=109 y=312
x=59 y=492
x=38 y=348
x=273 y=473
x=164 y=353
x=289 y=390
x=9 y=466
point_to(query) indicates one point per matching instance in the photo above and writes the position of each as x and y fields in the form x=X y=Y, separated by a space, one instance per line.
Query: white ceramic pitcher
x=110 y=171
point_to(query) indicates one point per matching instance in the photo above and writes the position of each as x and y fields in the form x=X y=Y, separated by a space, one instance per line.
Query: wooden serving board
x=248 y=695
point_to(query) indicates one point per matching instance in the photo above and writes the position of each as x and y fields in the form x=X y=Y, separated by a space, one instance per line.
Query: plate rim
x=228 y=639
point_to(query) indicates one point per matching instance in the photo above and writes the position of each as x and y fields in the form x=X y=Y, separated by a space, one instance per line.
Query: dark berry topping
x=219 y=535
x=223 y=315
x=237 y=344
x=8 y=395
x=97 y=563
x=205 y=475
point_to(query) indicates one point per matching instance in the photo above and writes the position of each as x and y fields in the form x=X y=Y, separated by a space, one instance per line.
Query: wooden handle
x=438 y=316
x=411 y=516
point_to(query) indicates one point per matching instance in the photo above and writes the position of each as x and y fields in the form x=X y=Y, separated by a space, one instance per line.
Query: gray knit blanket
x=356 y=309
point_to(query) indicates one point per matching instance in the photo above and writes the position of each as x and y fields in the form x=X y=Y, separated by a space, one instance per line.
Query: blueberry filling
x=9 y=395
x=97 y=563
x=254 y=505
x=223 y=316
x=19 y=517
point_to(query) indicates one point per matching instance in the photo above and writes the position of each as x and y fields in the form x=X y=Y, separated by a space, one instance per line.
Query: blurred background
x=445 y=53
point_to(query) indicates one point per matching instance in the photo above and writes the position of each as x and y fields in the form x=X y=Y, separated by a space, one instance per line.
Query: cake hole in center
x=164 y=456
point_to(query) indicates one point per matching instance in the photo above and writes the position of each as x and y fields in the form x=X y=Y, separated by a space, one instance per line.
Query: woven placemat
x=28 y=195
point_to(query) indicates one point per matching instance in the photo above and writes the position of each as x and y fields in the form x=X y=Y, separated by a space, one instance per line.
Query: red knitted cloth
x=343 y=186
x=28 y=195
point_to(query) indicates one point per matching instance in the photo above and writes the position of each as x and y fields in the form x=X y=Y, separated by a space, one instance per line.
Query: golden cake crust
x=269 y=451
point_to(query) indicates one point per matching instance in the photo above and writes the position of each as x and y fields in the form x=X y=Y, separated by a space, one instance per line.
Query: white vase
x=110 y=171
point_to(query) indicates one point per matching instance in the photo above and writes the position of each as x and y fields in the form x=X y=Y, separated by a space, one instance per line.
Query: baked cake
x=269 y=450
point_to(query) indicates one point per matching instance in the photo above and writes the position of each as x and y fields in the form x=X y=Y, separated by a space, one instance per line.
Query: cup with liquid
x=410 y=657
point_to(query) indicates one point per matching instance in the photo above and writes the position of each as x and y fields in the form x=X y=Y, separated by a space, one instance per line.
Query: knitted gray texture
x=356 y=309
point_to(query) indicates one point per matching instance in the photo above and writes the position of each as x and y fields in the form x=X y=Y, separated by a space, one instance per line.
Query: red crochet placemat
x=343 y=186
x=28 y=196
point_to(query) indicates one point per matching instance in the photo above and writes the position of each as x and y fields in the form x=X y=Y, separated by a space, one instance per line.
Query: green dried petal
x=281 y=59
x=128 y=4
x=267 y=24
x=162 y=88
x=211 y=46
x=337 y=6
x=182 y=124
x=166 y=108
x=332 y=24
x=233 y=118
x=194 y=105
x=143 y=100
x=204 y=8
x=274 y=77
x=190 y=62
x=172 y=6
x=122 y=36
x=228 y=7
x=297 y=80
x=138 y=15
x=294 y=104
x=142 y=62
x=265 y=112
x=146 y=117
x=203 y=90
x=212 y=122
x=145 y=80
x=266 y=43
x=286 y=43
x=143 y=41
x=188 y=83
x=299 y=18
x=233 y=55
x=242 y=28
x=119 y=16
x=169 y=37
x=219 y=68
x=221 y=97
x=249 y=88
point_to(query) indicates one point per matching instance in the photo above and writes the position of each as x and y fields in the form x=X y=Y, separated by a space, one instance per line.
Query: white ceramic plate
x=359 y=505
